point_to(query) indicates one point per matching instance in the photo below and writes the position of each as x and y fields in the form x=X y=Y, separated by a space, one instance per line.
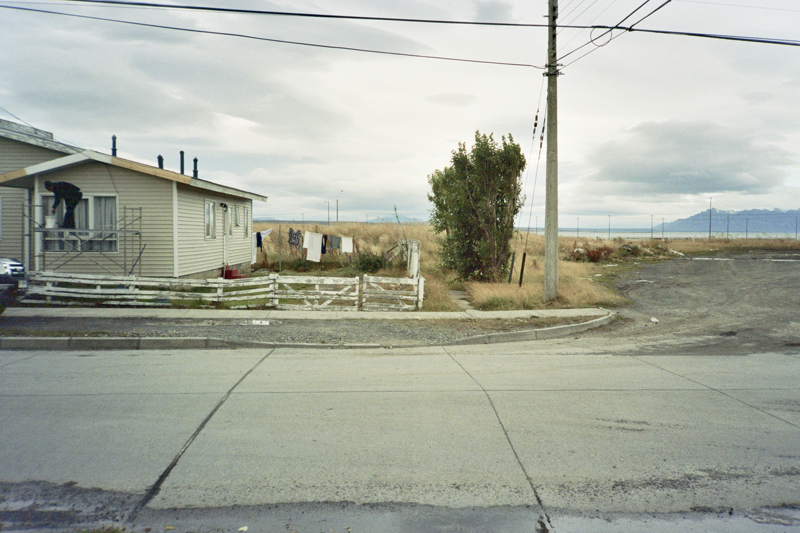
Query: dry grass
x=436 y=294
x=367 y=238
x=577 y=282
x=580 y=284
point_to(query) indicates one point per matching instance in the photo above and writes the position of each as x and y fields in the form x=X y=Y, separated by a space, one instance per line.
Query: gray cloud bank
x=682 y=158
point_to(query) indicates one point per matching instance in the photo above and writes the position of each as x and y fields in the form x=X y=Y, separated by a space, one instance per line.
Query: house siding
x=133 y=190
x=15 y=155
x=203 y=257
x=11 y=222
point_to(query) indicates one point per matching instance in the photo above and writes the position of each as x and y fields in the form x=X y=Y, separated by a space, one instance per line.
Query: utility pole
x=551 y=187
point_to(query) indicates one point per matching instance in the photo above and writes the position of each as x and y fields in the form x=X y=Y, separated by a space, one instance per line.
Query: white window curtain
x=105 y=218
x=92 y=213
x=211 y=221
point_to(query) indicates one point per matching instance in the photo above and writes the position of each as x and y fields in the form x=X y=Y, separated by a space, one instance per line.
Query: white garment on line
x=313 y=243
x=347 y=245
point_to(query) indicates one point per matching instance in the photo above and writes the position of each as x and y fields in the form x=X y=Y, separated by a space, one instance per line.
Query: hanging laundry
x=313 y=243
x=336 y=243
x=259 y=242
x=347 y=245
x=294 y=239
x=266 y=232
x=324 y=244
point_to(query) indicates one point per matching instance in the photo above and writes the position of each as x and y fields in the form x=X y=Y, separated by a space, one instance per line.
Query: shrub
x=369 y=263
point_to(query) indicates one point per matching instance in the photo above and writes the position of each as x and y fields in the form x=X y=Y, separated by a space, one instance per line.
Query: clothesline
x=317 y=244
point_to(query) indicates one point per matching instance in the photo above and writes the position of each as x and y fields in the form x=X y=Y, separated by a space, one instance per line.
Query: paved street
x=545 y=436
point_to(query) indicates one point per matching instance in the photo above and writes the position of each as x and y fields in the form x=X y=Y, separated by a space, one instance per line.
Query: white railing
x=273 y=291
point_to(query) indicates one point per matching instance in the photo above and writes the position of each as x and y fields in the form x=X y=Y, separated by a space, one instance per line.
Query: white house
x=133 y=218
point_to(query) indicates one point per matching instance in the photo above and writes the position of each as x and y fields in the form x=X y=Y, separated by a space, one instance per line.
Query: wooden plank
x=328 y=292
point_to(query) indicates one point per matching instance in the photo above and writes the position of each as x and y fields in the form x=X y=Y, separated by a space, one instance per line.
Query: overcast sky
x=649 y=125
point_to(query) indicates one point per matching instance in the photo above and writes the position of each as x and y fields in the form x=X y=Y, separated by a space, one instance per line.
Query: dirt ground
x=728 y=304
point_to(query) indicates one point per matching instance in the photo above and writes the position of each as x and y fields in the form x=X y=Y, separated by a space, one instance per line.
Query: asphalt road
x=644 y=426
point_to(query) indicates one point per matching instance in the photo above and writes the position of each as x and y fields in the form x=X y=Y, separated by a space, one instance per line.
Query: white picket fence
x=273 y=291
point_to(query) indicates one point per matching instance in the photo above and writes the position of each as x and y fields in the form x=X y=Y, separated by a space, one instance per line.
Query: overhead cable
x=281 y=41
x=298 y=14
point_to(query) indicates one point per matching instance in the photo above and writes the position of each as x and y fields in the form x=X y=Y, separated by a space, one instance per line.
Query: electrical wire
x=300 y=14
x=593 y=40
x=533 y=142
x=538 y=164
x=281 y=41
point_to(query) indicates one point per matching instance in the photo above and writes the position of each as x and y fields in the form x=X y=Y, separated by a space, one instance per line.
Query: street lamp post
x=329 y=211
x=337 y=205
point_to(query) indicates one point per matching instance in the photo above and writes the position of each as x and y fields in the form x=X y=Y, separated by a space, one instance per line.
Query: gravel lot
x=731 y=304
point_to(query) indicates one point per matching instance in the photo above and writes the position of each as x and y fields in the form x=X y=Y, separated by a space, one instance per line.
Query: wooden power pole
x=551 y=188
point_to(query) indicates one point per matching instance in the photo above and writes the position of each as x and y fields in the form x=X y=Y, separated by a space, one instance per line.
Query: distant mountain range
x=753 y=221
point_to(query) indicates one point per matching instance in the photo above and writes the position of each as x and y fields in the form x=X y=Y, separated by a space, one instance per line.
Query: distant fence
x=265 y=292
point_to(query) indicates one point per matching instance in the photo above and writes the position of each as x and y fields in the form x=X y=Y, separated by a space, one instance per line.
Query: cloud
x=681 y=157
x=493 y=11
x=452 y=99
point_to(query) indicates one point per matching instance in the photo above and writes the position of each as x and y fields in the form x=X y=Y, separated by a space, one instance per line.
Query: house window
x=246 y=222
x=95 y=226
x=211 y=220
x=228 y=222
x=237 y=217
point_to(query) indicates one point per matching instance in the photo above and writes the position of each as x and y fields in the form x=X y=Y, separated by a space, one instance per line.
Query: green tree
x=475 y=201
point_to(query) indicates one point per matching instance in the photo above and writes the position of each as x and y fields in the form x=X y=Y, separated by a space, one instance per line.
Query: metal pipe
x=114 y=145
x=160 y=161
x=181 y=161
x=194 y=174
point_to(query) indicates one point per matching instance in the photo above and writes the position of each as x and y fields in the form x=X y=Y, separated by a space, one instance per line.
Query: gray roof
x=22 y=177
x=34 y=136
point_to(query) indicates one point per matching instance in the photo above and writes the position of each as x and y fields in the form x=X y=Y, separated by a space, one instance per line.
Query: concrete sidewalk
x=594 y=318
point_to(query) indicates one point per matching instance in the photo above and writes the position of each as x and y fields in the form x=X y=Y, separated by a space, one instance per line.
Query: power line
x=593 y=40
x=299 y=14
x=607 y=29
x=281 y=41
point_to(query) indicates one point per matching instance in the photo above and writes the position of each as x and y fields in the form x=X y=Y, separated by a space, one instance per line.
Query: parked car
x=11 y=267
x=12 y=282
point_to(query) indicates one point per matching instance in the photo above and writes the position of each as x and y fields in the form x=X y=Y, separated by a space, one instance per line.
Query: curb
x=207 y=343
x=537 y=334
x=151 y=343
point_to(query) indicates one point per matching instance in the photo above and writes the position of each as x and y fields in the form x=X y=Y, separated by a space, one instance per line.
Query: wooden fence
x=266 y=292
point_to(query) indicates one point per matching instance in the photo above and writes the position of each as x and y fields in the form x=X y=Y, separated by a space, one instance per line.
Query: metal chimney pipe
x=194 y=174
x=160 y=161
x=114 y=145
x=181 y=161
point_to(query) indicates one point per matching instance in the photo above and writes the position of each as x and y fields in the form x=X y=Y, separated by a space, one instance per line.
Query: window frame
x=84 y=246
x=210 y=229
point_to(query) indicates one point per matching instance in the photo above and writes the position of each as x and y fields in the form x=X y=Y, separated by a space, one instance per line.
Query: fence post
x=420 y=292
x=361 y=283
x=273 y=300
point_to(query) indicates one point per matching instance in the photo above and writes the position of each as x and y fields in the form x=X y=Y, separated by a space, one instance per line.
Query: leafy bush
x=369 y=263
